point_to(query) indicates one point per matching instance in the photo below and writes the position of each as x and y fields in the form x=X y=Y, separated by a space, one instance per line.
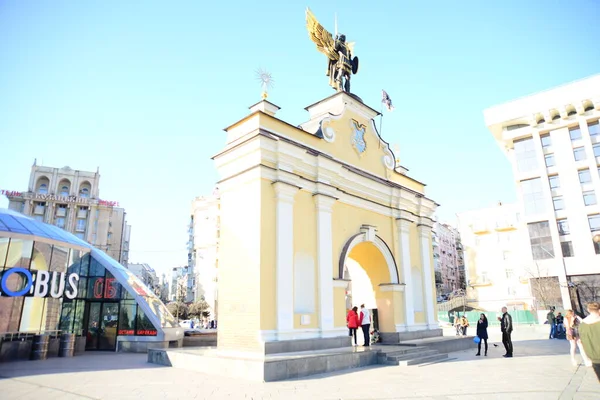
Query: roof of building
x=22 y=225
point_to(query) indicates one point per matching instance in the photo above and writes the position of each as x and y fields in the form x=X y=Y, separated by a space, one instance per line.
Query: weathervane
x=339 y=52
x=266 y=81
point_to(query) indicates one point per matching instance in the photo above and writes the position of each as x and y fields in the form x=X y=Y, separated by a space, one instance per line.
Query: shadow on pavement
x=86 y=362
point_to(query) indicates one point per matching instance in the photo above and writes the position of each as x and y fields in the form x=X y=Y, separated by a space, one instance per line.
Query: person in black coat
x=482 y=325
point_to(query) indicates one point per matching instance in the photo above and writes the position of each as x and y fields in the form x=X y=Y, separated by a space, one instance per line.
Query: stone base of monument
x=399 y=337
x=284 y=361
x=264 y=368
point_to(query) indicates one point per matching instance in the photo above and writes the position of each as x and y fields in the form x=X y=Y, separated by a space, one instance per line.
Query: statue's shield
x=355 y=65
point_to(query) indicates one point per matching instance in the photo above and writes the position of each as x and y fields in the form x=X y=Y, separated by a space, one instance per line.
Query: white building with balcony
x=496 y=252
x=552 y=139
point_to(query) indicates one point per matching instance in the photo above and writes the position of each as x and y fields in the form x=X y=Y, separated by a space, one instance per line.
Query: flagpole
x=380 y=124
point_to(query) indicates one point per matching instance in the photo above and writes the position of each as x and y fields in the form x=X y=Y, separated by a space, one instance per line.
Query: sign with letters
x=63 y=199
x=40 y=284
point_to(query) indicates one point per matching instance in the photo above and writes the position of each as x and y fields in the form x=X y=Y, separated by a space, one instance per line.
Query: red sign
x=105 y=288
x=10 y=193
x=66 y=199
x=125 y=331
x=146 y=332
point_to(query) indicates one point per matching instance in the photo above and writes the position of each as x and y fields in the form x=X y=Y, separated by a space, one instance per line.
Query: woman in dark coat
x=482 y=325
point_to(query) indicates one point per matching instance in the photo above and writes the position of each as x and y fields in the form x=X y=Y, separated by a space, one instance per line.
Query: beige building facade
x=496 y=250
x=552 y=140
x=70 y=199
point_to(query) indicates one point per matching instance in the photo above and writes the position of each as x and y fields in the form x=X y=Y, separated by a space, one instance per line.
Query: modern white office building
x=552 y=140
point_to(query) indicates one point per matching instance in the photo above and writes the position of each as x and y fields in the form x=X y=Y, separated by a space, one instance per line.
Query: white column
x=284 y=226
x=324 y=204
x=404 y=238
x=424 y=238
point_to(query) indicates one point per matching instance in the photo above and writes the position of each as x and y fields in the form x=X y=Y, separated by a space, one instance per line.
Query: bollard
x=67 y=345
x=39 y=350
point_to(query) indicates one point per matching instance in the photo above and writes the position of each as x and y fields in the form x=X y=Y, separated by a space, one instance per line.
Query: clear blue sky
x=143 y=89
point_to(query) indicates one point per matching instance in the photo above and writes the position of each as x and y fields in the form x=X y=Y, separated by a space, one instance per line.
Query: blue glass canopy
x=17 y=223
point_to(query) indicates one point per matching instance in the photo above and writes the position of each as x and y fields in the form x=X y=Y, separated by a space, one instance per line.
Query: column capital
x=404 y=220
x=425 y=226
x=392 y=287
x=285 y=191
x=324 y=202
x=341 y=283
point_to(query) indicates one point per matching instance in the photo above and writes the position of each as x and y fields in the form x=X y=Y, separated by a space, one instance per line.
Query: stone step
x=412 y=356
x=422 y=360
x=396 y=352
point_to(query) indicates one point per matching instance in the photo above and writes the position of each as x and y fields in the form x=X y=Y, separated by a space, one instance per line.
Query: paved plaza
x=541 y=369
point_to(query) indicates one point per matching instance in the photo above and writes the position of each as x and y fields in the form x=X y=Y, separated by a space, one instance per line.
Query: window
x=533 y=196
x=505 y=255
x=559 y=203
x=579 y=153
x=541 y=241
x=596 y=150
x=563 y=226
x=550 y=160
x=525 y=155
x=80 y=235
x=589 y=198
x=594 y=128
x=39 y=218
x=546 y=141
x=60 y=222
x=594 y=221
x=510 y=274
x=575 y=133
x=596 y=247
x=554 y=182
x=567 y=249
x=80 y=225
x=64 y=191
x=43 y=189
x=584 y=176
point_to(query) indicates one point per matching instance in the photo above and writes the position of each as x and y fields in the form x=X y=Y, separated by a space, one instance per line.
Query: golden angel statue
x=339 y=52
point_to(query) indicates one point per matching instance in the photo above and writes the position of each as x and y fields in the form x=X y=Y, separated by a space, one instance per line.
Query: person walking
x=457 y=324
x=464 y=324
x=365 y=323
x=482 y=325
x=551 y=319
x=352 y=322
x=589 y=332
x=506 y=326
x=572 y=322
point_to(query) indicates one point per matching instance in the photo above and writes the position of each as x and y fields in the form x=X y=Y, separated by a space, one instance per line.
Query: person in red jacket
x=352 y=322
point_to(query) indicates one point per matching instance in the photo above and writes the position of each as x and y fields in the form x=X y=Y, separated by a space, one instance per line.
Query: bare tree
x=545 y=288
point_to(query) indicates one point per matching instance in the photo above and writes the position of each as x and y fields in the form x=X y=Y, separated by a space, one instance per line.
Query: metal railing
x=26 y=335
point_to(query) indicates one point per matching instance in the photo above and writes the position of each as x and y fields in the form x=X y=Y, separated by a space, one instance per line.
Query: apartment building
x=70 y=199
x=496 y=248
x=552 y=140
x=448 y=259
x=204 y=246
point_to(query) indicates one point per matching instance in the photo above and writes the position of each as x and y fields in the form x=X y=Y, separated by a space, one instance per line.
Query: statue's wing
x=320 y=36
x=351 y=47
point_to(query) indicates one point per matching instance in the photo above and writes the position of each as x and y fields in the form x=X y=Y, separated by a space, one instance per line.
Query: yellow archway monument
x=296 y=201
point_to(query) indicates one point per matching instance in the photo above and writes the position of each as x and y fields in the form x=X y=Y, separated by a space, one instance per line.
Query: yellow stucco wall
x=240 y=275
x=341 y=149
x=305 y=242
x=268 y=302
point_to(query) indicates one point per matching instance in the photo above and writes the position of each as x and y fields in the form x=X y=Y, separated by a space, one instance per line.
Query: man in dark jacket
x=506 y=326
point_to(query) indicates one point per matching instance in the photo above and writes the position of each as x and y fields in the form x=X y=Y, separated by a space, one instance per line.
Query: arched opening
x=64 y=188
x=41 y=186
x=371 y=269
x=84 y=189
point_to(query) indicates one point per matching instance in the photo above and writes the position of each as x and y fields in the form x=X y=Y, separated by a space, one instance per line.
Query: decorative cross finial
x=266 y=81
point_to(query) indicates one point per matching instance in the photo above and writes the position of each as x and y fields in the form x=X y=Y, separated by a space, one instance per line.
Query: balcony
x=61 y=212
x=82 y=214
x=480 y=229
x=505 y=226
x=39 y=210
